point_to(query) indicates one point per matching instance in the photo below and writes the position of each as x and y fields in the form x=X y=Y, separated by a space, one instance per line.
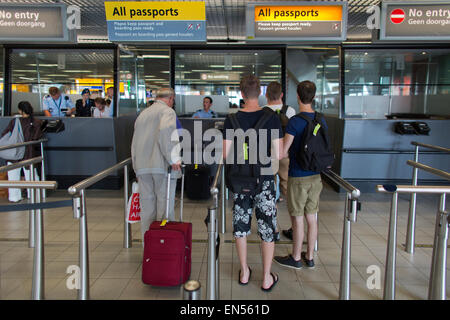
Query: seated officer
x=85 y=104
x=57 y=104
x=206 y=112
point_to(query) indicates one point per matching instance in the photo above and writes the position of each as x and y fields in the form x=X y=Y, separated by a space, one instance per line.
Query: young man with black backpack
x=306 y=144
x=249 y=135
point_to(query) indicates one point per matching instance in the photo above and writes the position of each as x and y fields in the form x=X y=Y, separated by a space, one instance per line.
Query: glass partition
x=217 y=73
x=2 y=77
x=319 y=65
x=382 y=83
x=34 y=71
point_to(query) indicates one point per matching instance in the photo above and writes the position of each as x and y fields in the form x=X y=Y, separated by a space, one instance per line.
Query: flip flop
x=273 y=284
x=249 y=277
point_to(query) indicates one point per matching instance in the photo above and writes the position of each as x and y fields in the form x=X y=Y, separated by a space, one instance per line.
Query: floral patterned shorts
x=265 y=211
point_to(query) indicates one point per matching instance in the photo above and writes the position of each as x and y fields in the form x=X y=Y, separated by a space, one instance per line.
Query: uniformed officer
x=57 y=104
x=206 y=112
x=85 y=106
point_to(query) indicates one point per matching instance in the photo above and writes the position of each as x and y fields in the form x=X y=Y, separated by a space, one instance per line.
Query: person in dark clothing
x=31 y=128
x=83 y=106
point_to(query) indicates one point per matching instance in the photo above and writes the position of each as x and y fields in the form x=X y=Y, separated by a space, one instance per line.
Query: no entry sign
x=397 y=16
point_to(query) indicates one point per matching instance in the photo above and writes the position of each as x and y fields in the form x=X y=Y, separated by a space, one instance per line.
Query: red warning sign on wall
x=397 y=16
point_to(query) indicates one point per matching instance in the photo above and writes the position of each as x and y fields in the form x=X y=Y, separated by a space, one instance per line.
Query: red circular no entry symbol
x=397 y=16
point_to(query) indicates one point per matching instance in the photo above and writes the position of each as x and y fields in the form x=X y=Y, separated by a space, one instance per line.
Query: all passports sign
x=416 y=20
x=156 y=21
x=297 y=21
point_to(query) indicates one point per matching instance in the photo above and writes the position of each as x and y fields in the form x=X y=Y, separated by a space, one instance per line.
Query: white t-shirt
x=290 y=112
x=106 y=113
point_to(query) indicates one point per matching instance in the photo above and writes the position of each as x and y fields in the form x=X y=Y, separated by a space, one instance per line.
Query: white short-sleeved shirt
x=290 y=112
x=55 y=106
x=106 y=113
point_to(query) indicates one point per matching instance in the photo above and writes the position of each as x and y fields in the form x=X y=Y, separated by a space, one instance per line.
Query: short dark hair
x=274 y=91
x=210 y=99
x=250 y=87
x=306 y=91
x=100 y=100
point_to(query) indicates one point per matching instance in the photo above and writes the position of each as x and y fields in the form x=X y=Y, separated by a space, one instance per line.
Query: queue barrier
x=38 y=286
x=437 y=282
x=351 y=206
x=411 y=226
x=78 y=193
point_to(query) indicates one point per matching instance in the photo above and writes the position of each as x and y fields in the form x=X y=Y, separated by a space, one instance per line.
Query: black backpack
x=283 y=117
x=245 y=178
x=315 y=153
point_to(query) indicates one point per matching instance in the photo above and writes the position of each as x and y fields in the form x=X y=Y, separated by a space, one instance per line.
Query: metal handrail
x=437 y=283
x=79 y=210
x=86 y=183
x=437 y=172
x=355 y=193
x=430 y=146
x=22 y=144
x=21 y=164
x=214 y=189
x=350 y=209
x=29 y=184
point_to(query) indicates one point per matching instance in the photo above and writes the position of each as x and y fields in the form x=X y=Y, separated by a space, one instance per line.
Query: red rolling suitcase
x=167 y=248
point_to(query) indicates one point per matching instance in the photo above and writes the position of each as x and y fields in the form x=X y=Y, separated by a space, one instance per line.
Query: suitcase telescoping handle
x=169 y=172
x=182 y=191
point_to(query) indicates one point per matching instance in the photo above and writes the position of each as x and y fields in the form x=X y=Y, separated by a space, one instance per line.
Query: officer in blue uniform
x=206 y=112
x=57 y=104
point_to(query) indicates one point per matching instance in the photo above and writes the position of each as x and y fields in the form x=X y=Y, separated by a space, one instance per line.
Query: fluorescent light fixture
x=43 y=64
x=275 y=66
x=25 y=78
x=331 y=65
x=155 y=56
x=17 y=70
x=165 y=71
x=201 y=70
x=222 y=66
x=273 y=72
x=99 y=76
x=77 y=71
x=149 y=76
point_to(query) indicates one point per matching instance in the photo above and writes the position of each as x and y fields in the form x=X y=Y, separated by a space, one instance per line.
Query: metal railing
x=350 y=209
x=31 y=216
x=411 y=226
x=38 y=282
x=22 y=144
x=437 y=282
x=212 y=279
x=79 y=211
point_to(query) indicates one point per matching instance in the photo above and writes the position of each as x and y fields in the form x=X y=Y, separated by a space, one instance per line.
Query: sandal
x=249 y=276
x=273 y=284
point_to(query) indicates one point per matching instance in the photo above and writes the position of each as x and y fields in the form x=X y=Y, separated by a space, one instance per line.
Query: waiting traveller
x=304 y=187
x=101 y=110
x=57 y=104
x=253 y=189
x=85 y=105
x=154 y=147
x=206 y=112
x=31 y=128
x=110 y=97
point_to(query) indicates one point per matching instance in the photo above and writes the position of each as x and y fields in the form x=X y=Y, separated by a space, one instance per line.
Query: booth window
x=401 y=82
x=217 y=73
x=2 y=81
x=34 y=71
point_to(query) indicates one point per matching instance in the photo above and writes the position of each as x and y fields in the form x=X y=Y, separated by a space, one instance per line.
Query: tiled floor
x=115 y=272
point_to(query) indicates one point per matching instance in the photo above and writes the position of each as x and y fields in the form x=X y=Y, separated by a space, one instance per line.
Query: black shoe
x=288 y=233
x=289 y=262
x=308 y=263
x=276 y=236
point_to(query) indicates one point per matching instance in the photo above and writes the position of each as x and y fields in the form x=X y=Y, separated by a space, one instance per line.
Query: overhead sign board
x=33 y=23
x=148 y=21
x=297 y=21
x=415 y=21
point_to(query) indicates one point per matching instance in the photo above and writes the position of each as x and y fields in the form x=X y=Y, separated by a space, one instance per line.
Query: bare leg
x=241 y=247
x=312 y=235
x=297 y=236
x=267 y=249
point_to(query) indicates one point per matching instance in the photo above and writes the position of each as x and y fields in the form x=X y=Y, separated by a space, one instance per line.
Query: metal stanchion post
x=38 y=285
x=192 y=290
x=211 y=276
x=223 y=220
x=83 y=293
x=344 y=285
x=127 y=241
x=44 y=191
x=410 y=232
x=437 y=285
x=32 y=213
x=389 y=279
x=217 y=271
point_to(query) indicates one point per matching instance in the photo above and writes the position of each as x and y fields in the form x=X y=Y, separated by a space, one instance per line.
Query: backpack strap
x=284 y=108
x=305 y=117
x=264 y=118
x=234 y=121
